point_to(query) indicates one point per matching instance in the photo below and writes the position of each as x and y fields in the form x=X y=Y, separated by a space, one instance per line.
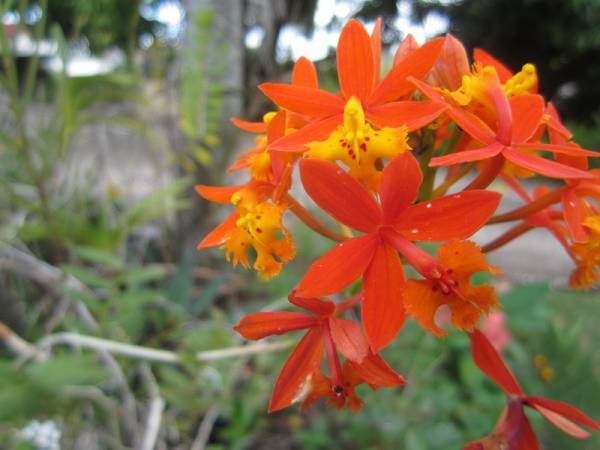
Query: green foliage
x=200 y=91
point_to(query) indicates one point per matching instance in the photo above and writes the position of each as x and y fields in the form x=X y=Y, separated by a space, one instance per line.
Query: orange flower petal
x=527 y=114
x=543 y=166
x=276 y=128
x=339 y=267
x=219 y=235
x=528 y=441
x=376 y=46
x=252 y=127
x=303 y=100
x=376 y=372
x=562 y=423
x=574 y=213
x=452 y=64
x=314 y=131
x=563 y=149
x=472 y=124
x=339 y=194
x=382 y=310
x=412 y=114
x=556 y=129
x=455 y=216
x=218 y=194
x=467 y=155
x=262 y=324
x=305 y=74
x=349 y=339
x=490 y=363
x=408 y=45
x=355 y=62
x=483 y=57
x=304 y=360
x=400 y=183
x=321 y=308
x=416 y=64
x=563 y=409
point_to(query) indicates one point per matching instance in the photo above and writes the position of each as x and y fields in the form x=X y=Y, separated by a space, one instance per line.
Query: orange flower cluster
x=367 y=156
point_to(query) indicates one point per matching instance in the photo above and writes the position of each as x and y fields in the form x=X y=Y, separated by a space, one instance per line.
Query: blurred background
x=112 y=110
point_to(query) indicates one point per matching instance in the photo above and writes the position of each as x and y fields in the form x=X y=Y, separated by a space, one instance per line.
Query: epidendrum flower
x=362 y=92
x=513 y=430
x=389 y=227
x=518 y=119
x=354 y=150
x=257 y=222
x=301 y=378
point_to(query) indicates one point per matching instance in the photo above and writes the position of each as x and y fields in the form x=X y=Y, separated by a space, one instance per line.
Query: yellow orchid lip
x=359 y=146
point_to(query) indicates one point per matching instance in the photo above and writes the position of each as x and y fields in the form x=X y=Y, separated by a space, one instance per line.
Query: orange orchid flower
x=585 y=255
x=518 y=119
x=575 y=206
x=304 y=74
x=459 y=261
x=514 y=430
x=358 y=56
x=389 y=227
x=301 y=377
x=257 y=222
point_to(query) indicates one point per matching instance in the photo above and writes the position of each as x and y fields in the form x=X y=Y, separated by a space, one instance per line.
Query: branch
x=206 y=426
x=47 y=275
x=24 y=349
x=155 y=411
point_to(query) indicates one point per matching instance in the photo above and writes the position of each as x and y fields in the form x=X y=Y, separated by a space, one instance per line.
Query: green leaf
x=145 y=274
x=64 y=370
x=98 y=256
x=157 y=204
x=88 y=276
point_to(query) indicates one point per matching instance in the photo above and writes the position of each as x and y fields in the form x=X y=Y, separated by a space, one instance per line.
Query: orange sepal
x=543 y=166
x=317 y=130
x=400 y=183
x=339 y=267
x=262 y=324
x=355 y=62
x=490 y=363
x=217 y=194
x=395 y=84
x=305 y=74
x=452 y=64
x=304 y=360
x=412 y=114
x=527 y=114
x=528 y=440
x=339 y=194
x=382 y=309
x=408 y=45
x=483 y=57
x=455 y=216
x=303 y=100
x=376 y=46
x=349 y=339
x=567 y=412
x=219 y=234
x=252 y=127
x=376 y=372
x=321 y=308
